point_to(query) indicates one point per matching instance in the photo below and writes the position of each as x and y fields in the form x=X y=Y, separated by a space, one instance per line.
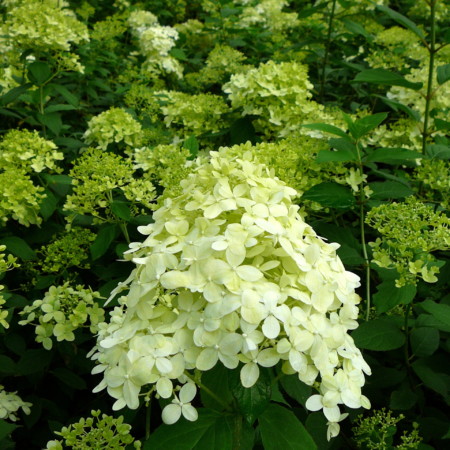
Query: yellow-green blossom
x=229 y=272
x=435 y=175
x=61 y=312
x=99 y=431
x=113 y=125
x=10 y=403
x=6 y=263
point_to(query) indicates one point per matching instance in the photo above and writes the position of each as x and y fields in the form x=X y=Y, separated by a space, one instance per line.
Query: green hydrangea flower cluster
x=411 y=231
x=19 y=198
x=230 y=272
x=403 y=133
x=71 y=249
x=62 y=311
x=221 y=62
x=166 y=165
x=155 y=42
x=379 y=429
x=113 y=125
x=27 y=151
x=10 y=403
x=193 y=114
x=279 y=95
x=6 y=263
x=106 y=31
x=105 y=432
x=97 y=178
x=435 y=175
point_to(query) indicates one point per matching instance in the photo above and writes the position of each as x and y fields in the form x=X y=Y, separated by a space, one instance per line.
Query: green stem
x=123 y=227
x=148 y=417
x=327 y=50
x=237 y=432
x=429 y=96
x=408 y=307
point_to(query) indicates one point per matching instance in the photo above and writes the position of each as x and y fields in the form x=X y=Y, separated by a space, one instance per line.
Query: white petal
x=249 y=374
x=268 y=357
x=271 y=327
x=171 y=413
x=164 y=387
x=332 y=414
x=188 y=392
x=189 y=413
x=314 y=403
x=207 y=359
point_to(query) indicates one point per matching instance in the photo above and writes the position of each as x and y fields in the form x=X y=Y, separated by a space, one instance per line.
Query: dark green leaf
x=403 y=399
x=327 y=128
x=384 y=77
x=356 y=28
x=439 y=311
x=254 y=400
x=397 y=106
x=69 y=377
x=295 y=388
x=427 y=320
x=18 y=247
x=437 y=151
x=383 y=190
x=15 y=342
x=48 y=204
x=424 y=341
x=402 y=20
x=441 y=124
x=44 y=281
x=392 y=155
x=429 y=372
x=179 y=54
x=103 y=240
x=7 y=365
x=379 y=334
x=66 y=94
x=216 y=380
x=121 y=210
x=363 y=126
x=316 y=425
x=55 y=108
x=39 y=72
x=51 y=120
x=443 y=73
x=191 y=144
x=6 y=428
x=330 y=194
x=14 y=93
x=241 y=131
x=280 y=429
x=33 y=361
x=388 y=296
x=342 y=156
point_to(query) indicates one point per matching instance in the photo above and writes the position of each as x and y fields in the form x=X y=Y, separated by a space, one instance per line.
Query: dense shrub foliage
x=224 y=224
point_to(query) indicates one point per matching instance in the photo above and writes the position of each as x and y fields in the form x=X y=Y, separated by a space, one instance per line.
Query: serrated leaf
x=191 y=144
x=18 y=247
x=441 y=124
x=339 y=155
x=392 y=155
x=424 y=341
x=402 y=20
x=388 y=296
x=384 y=77
x=384 y=190
x=103 y=240
x=438 y=151
x=327 y=128
x=443 y=73
x=280 y=429
x=330 y=194
x=379 y=335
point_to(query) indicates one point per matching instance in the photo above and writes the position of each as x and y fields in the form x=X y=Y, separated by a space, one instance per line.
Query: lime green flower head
x=230 y=273
x=6 y=263
x=114 y=125
x=10 y=403
x=28 y=151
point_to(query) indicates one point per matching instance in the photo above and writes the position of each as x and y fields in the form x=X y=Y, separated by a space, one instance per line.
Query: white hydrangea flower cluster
x=279 y=94
x=10 y=403
x=113 y=125
x=155 y=42
x=230 y=272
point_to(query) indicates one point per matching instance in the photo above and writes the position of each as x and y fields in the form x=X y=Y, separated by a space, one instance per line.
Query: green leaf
x=327 y=128
x=6 y=428
x=441 y=124
x=443 y=73
x=39 y=72
x=179 y=54
x=209 y=432
x=439 y=311
x=48 y=205
x=254 y=400
x=427 y=320
x=402 y=20
x=356 y=28
x=437 y=151
x=392 y=155
x=295 y=388
x=403 y=399
x=384 y=77
x=388 y=296
x=379 y=334
x=33 y=361
x=18 y=247
x=280 y=429
x=363 y=126
x=330 y=194
x=424 y=341
x=55 y=108
x=346 y=151
x=7 y=365
x=66 y=94
x=191 y=144
x=217 y=380
x=429 y=371
x=51 y=120
x=103 y=240
x=383 y=190
x=396 y=106
x=121 y=210
x=70 y=378
x=14 y=93
x=241 y=131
